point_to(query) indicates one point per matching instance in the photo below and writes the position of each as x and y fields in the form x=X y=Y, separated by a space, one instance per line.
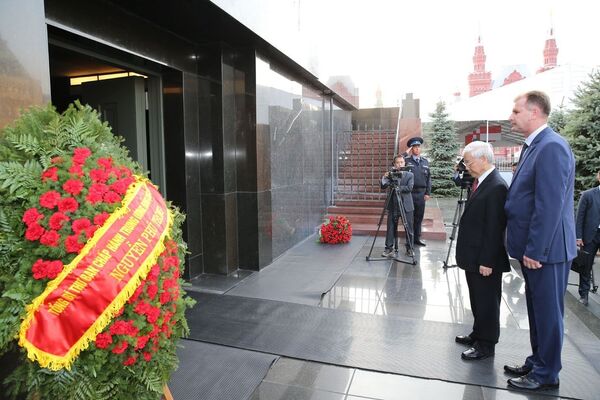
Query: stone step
x=365 y=217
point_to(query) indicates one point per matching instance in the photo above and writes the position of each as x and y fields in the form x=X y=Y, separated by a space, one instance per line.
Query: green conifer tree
x=583 y=132
x=442 y=152
x=558 y=119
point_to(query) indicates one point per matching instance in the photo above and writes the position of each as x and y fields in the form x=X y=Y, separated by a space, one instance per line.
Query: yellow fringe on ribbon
x=55 y=363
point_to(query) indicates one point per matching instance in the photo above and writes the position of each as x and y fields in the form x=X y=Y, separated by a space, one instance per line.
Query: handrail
x=397 y=139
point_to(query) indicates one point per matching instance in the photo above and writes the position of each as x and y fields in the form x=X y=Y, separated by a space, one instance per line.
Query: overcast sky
x=420 y=46
x=426 y=46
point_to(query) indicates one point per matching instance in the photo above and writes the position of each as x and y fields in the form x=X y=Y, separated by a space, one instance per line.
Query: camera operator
x=402 y=182
x=419 y=166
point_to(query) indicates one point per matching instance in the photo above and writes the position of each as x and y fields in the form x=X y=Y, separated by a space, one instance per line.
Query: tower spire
x=480 y=80
x=550 y=51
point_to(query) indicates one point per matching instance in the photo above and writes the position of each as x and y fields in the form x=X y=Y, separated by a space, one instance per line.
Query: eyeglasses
x=468 y=163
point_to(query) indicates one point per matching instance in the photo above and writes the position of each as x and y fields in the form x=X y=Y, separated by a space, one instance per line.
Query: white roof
x=560 y=83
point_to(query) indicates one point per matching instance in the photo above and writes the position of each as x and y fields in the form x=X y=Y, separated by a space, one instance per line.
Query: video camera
x=466 y=179
x=395 y=173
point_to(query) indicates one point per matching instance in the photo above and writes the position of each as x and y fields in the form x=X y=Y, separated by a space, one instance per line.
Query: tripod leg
x=385 y=206
x=409 y=234
x=455 y=223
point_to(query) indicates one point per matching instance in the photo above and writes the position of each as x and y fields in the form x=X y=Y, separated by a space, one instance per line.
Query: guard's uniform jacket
x=422 y=187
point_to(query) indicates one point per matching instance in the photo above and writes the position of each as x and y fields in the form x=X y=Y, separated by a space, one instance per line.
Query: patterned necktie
x=475 y=185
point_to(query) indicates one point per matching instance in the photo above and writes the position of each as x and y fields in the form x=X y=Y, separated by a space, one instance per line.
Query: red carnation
x=50 y=238
x=147 y=356
x=103 y=340
x=76 y=170
x=152 y=314
x=81 y=154
x=120 y=186
x=125 y=172
x=89 y=232
x=121 y=347
x=164 y=297
x=99 y=219
x=73 y=186
x=80 y=225
x=136 y=294
x=72 y=244
x=34 y=232
x=153 y=274
x=57 y=220
x=93 y=198
x=105 y=162
x=68 y=204
x=130 y=361
x=141 y=342
x=54 y=268
x=50 y=174
x=39 y=269
x=32 y=215
x=96 y=192
x=98 y=175
x=155 y=332
x=168 y=262
x=142 y=307
x=111 y=197
x=124 y=328
x=50 y=199
x=151 y=290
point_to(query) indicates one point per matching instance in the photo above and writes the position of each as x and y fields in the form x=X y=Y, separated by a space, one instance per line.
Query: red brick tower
x=479 y=80
x=550 y=53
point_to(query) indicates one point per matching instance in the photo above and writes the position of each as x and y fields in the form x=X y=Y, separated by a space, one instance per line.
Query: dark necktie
x=523 y=150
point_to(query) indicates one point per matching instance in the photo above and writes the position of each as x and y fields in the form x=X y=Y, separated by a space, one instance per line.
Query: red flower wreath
x=335 y=230
x=74 y=186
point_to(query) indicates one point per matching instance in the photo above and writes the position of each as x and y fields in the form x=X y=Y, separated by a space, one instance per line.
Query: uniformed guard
x=422 y=187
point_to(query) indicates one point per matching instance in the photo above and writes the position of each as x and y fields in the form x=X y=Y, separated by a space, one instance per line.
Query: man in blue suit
x=588 y=234
x=540 y=233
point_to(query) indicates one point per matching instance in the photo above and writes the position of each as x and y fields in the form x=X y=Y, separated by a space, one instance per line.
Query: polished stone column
x=24 y=72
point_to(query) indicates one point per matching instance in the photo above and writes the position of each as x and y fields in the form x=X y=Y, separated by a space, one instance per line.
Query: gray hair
x=480 y=149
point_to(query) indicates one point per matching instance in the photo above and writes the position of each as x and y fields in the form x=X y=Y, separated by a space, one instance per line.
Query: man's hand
x=531 y=263
x=579 y=242
x=427 y=197
x=485 y=271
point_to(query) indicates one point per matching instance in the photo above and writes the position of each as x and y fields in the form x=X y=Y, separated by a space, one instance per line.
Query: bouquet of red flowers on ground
x=66 y=186
x=336 y=229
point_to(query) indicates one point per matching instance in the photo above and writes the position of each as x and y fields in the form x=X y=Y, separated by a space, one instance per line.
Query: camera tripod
x=394 y=191
x=460 y=206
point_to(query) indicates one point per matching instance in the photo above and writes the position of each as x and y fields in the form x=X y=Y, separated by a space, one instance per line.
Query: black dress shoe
x=420 y=243
x=518 y=370
x=527 y=383
x=475 y=354
x=464 y=339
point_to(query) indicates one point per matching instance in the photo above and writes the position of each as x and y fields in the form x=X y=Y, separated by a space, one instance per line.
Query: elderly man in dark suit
x=403 y=181
x=588 y=233
x=540 y=233
x=480 y=250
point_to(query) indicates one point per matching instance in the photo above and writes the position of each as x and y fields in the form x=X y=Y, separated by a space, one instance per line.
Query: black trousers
x=419 y=202
x=585 y=277
x=392 y=229
x=485 y=294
